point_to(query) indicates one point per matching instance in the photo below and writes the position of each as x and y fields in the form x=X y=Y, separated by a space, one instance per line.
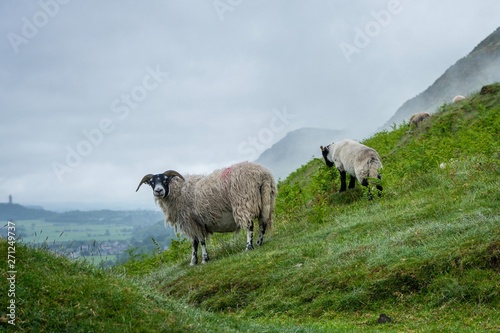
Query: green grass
x=54 y=294
x=426 y=253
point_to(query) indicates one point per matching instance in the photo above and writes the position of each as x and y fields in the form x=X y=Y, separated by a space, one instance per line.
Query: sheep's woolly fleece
x=224 y=201
x=355 y=158
x=417 y=118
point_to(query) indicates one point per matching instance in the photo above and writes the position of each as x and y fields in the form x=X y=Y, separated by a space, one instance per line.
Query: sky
x=96 y=94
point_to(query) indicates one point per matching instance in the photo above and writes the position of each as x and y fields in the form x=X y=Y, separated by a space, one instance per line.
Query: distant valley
x=102 y=236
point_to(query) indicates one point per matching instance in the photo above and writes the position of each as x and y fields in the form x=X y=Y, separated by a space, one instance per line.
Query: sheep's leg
x=250 y=237
x=194 y=256
x=342 y=181
x=367 y=184
x=262 y=231
x=379 y=187
x=352 y=181
x=204 y=252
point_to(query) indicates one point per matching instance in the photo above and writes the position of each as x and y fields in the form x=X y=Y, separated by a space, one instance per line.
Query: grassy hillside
x=53 y=294
x=426 y=253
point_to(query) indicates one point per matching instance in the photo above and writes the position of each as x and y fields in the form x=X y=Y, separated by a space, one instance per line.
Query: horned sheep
x=226 y=200
x=353 y=158
x=418 y=118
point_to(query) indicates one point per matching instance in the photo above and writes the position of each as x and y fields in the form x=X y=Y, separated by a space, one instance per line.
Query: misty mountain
x=296 y=149
x=480 y=67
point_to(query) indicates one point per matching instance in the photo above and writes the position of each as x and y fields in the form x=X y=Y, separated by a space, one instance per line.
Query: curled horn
x=144 y=180
x=171 y=173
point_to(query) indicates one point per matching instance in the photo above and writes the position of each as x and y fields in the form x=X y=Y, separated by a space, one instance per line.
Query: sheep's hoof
x=249 y=247
x=205 y=259
x=194 y=261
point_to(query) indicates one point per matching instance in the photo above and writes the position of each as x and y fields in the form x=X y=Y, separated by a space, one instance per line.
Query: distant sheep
x=457 y=98
x=418 y=118
x=359 y=161
x=489 y=89
x=226 y=200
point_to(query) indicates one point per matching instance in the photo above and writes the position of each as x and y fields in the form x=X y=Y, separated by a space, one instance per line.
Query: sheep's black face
x=324 y=152
x=160 y=182
x=160 y=185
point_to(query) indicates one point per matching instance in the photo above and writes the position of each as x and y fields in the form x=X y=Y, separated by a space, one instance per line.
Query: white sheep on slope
x=359 y=161
x=226 y=200
x=418 y=118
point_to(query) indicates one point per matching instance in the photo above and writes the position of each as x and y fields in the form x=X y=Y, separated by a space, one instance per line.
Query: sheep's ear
x=144 y=180
x=171 y=173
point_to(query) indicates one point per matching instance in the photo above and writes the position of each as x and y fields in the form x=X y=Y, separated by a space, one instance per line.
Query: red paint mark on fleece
x=226 y=172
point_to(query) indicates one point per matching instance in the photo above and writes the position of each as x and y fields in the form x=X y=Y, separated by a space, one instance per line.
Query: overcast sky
x=95 y=94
